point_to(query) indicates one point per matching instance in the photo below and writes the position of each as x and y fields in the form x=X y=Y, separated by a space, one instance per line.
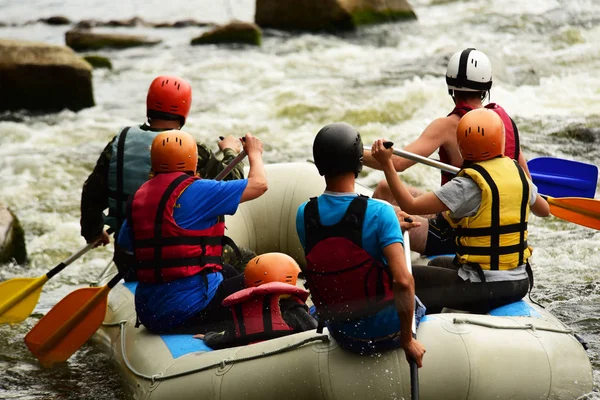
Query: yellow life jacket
x=496 y=237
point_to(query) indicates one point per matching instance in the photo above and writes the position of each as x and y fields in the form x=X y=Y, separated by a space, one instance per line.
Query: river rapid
x=388 y=80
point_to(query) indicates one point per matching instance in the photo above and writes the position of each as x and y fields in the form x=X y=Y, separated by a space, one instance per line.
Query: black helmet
x=337 y=149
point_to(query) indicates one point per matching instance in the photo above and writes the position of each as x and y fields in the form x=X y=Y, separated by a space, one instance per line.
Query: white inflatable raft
x=520 y=351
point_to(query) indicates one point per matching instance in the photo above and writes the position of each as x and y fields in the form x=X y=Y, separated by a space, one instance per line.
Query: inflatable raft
x=519 y=351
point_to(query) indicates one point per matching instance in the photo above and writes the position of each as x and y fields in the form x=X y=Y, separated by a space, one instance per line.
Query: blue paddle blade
x=557 y=177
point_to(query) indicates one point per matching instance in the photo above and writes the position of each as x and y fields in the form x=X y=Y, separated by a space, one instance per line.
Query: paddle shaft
x=75 y=256
x=420 y=159
x=561 y=203
x=414 y=369
x=221 y=175
x=427 y=161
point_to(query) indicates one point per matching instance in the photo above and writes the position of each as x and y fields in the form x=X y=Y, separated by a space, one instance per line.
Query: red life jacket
x=163 y=250
x=345 y=281
x=511 y=133
x=256 y=312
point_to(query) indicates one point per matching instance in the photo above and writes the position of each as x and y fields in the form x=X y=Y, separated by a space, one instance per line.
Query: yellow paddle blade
x=18 y=298
x=579 y=210
x=68 y=325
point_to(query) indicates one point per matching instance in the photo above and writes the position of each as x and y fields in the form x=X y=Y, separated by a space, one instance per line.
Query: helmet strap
x=486 y=94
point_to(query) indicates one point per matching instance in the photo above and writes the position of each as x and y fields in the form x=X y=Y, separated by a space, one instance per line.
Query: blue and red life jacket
x=512 y=145
x=344 y=280
x=163 y=250
x=257 y=314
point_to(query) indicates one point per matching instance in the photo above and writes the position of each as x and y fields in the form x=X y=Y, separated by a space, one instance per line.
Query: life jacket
x=257 y=314
x=128 y=169
x=495 y=238
x=512 y=145
x=163 y=250
x=344 y=280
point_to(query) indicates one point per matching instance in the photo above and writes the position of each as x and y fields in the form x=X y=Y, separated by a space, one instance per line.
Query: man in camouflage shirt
x=124 y=164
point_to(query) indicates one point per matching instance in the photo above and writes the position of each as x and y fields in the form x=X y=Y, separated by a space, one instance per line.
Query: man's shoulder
x=442 y=128
x=380 y=209
x=378 y=203
x=204 y=183
x=450 y=121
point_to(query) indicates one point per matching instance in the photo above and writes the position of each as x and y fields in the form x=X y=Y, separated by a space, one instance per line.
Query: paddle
x=563 y=178
x=71 y=322
x=19 y=296
x=585 y=212
x=555 y=177
x=414 y=369
x=581 y=211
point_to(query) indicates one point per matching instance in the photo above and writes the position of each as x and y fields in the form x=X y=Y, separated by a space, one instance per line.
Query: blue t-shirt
x=164 y=306
x=380 y=229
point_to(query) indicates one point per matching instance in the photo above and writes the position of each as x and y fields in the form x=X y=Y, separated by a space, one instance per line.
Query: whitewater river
x=387 y=80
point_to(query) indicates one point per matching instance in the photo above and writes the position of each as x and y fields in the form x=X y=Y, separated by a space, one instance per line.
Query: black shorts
x=440 y=237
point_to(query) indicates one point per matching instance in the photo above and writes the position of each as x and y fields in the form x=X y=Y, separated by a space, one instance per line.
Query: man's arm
x=257 y=178
x=433 y=137
x=404 y=298
x=523 y=164
x=94 y=197
x=209 y=166
x=427 y=203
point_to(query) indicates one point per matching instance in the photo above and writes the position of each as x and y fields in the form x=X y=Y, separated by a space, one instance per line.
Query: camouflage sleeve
x=94 y=196
x=209 y=166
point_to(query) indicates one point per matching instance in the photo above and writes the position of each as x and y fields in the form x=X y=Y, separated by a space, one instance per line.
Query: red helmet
x=169 y=97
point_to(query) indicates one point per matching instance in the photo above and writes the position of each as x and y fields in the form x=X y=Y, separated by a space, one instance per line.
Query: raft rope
x=221 y=364
x=523 y=327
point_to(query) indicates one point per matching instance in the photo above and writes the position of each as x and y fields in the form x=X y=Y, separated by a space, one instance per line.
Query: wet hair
x=153 y=114
x=466 y=95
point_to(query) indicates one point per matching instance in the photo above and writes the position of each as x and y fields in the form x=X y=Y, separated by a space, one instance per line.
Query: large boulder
x=82 y=40
x=43 y=77
x=234 y=32
x=12 y=238
x=329 y=15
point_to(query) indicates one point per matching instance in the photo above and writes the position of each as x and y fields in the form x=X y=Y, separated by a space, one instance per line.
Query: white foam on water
x=388 y=80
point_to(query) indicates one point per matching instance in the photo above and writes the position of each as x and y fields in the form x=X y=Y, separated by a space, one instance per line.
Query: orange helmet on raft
x=174 y=151
x=480 y=135
x=271 y=267
x=169 y=97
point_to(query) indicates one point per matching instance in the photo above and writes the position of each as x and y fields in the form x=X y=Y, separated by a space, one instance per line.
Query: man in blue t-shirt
x=355 y=269
x=182 y=281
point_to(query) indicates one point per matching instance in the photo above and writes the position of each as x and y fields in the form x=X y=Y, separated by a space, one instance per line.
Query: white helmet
x=469 y=71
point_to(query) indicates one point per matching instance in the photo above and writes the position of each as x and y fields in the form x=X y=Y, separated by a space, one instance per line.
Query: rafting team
x=170 y=229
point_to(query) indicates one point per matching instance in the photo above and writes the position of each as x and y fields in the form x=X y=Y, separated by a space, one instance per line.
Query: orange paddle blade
x=68 y=325
x=579 y=210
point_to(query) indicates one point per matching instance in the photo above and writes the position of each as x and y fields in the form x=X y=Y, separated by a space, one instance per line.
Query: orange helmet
x=169 y=97
x=174 y=151
x=480 y=135
x=271 y=267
